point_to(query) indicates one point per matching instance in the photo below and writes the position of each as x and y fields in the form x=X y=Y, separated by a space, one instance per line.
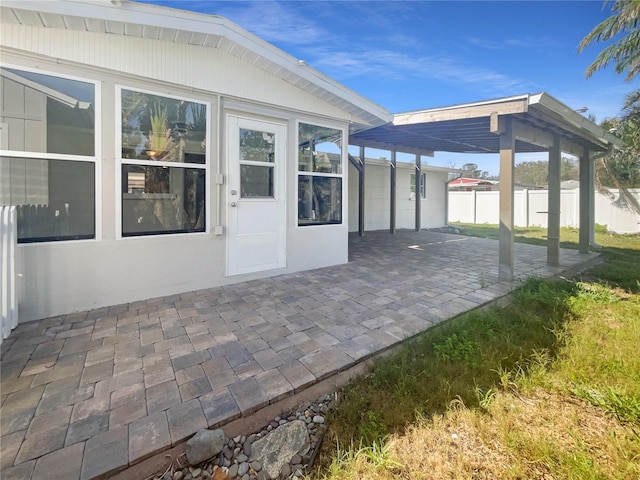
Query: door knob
x=234 y=204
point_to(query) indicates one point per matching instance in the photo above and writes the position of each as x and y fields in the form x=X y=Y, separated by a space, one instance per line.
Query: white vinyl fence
x=530 y=209
x=8 y=290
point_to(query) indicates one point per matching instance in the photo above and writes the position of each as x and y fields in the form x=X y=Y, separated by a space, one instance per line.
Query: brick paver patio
x=91 y=392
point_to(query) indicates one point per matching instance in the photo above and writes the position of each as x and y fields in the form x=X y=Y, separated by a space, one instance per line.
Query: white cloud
x=274 y=22
x=399 y=65
x=538 y=43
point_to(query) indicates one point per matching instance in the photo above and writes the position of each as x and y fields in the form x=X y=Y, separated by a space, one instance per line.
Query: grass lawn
x=547 y=387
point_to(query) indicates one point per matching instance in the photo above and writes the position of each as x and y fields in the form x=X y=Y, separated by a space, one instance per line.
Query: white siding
x=203 y=68
x=377 y=191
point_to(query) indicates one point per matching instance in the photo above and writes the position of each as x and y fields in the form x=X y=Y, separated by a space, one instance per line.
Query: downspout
x=219 y=229
x=446 y=199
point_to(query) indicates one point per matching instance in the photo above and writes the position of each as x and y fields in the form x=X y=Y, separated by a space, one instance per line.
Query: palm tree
x=631 y=109
x=621 y=168
x=625 y=52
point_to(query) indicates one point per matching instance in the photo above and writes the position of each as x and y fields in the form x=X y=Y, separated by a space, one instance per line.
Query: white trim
x=47 y=156
x=156 y=163
x=96 y=159
x=119 y=161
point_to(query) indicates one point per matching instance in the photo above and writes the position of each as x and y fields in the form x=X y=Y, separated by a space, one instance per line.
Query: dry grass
x=542 y=436
x=545 y=388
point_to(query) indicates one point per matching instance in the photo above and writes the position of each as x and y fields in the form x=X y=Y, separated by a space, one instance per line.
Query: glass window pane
x=55 y=198
x=423 y=184
x=319 y=149
x=162 y=200
x=256 y=146
x=256 y=181
x=47 y=114
x=319 y=200
x=163 y=129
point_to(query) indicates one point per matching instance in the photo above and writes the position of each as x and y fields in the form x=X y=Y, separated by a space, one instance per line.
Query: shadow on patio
x=93 y=392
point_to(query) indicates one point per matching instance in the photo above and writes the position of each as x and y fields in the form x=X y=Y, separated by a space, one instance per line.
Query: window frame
x=423 y=184
x=95 y=159
x=120 y=162
x=341 y=176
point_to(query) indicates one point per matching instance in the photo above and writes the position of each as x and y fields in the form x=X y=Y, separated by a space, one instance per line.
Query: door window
x=257 y=163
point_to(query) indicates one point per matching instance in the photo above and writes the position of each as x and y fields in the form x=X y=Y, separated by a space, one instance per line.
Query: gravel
x=233 y=463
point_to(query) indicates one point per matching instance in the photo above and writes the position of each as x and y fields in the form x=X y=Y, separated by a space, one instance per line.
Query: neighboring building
x=153 y=154
x=433 y=192
x=463 y=184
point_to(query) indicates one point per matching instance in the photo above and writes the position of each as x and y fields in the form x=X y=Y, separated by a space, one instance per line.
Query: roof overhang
x=123 y=17
x=538 y=121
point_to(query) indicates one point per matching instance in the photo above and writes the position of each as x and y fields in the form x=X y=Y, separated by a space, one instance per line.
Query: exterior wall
x=66 y=276
x=193 y=66
x=377 y=191
x=530 y=207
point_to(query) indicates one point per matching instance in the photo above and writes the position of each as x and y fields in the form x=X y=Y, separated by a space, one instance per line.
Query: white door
x=256 y=195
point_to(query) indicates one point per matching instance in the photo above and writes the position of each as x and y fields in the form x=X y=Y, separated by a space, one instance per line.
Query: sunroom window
x=48 y=160
x=164 y=162
x=423 y=184
x=319 y=175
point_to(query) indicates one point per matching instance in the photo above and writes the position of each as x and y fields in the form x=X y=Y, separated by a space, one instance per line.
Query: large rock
x=280 y=446
x=204 y=445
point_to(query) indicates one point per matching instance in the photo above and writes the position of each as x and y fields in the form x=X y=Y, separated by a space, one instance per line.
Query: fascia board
x=463 y=106
x=572 y=119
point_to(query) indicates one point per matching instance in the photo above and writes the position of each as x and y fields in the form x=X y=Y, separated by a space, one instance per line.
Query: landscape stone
x=246 y=448
x=204 y=445
x=243 y=468
x=280 y=446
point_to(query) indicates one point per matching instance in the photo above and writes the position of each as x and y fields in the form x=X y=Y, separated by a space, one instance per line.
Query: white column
x=507 y=157
x=553 y=215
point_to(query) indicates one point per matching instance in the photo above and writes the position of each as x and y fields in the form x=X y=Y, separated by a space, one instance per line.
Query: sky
x=411 y=55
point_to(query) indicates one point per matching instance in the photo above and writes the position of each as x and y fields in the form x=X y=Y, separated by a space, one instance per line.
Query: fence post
x=475 y=207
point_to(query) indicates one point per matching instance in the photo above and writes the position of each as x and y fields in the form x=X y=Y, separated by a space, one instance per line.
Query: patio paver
x=83 y=393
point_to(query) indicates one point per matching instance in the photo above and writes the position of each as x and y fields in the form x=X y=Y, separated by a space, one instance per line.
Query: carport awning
x=475 y=127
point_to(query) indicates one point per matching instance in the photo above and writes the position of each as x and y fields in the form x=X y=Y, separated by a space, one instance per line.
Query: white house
x=153 y=151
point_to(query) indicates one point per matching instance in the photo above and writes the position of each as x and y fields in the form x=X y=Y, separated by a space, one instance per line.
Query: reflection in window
x=319 y=149
x=55 y=199
x=54 y=117
x=257 y=163
x=256 y=146
x=423 y=184
x=47 y=114
x=319 y=200
x=158 y=196
x=319 y=175
x=162 y=200
x=163 y=129
x=256 y=181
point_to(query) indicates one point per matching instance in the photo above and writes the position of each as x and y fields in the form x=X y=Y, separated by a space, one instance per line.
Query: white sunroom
x=152 y=151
